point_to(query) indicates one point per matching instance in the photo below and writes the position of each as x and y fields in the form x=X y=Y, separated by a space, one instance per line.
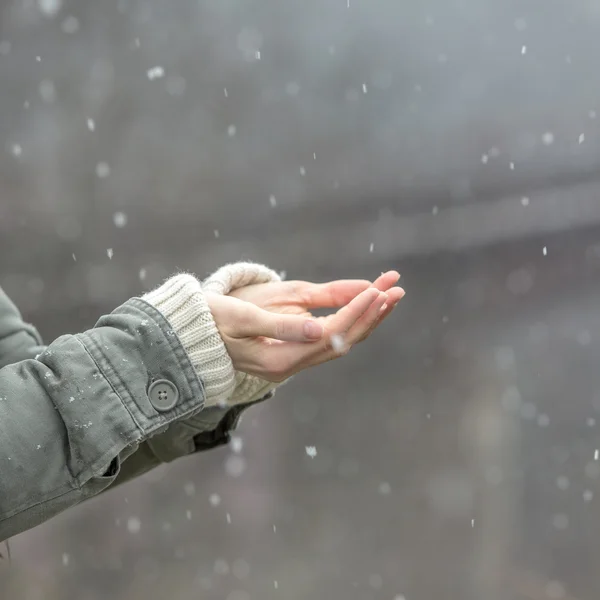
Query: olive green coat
x=75 y=416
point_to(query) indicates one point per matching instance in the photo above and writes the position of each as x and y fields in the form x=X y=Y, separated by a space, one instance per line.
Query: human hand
x=262 y=325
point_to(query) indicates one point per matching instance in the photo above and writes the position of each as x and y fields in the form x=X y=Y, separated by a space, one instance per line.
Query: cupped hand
x=269 y=331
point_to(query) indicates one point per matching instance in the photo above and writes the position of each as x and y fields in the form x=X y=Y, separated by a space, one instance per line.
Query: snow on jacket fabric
x=149 y=383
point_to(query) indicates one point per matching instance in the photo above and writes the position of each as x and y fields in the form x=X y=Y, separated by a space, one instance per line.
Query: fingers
x=332 y=294
x=366 y=321
x=335 y=294
x=386 y=280
x=394 y=296
x=255 y=322
x=343 y=320
x=286 y=359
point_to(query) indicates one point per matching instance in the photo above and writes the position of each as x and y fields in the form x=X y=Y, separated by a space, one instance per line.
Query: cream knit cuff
x=228 y=278
x=236 y=275
x=181 y=301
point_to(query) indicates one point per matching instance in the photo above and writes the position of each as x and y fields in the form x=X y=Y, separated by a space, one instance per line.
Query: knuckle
x=280 y=329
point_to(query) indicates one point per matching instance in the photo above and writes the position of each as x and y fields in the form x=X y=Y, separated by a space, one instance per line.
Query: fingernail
x=313 y=330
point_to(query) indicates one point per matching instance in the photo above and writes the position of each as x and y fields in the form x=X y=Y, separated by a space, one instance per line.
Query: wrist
x=182 y=302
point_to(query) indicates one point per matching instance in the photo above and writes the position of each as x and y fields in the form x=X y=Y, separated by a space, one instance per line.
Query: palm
x=300 y=297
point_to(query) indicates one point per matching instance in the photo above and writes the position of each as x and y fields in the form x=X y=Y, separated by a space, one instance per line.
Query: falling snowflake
x=216 y=232
x=17 y=150
x=231 y=130
x=134 y=525
x=91 y=125
x=371 y=247
x=545 y=251
x=120 y=219
x=102 y=170
x=65 y=559
x=155 y=73
x=525 y=201
x=142 y=274
x=581 y=138
x=338 y=343
x=364 y=88
x=237 y=444
x=596 y=454
x=385 y=488
x=485 y=158
x=273 y=201
x=311 y=451
x=109 y=253
x=523 y=49
x=548 y=138
x=49 y=7
x=214 y=499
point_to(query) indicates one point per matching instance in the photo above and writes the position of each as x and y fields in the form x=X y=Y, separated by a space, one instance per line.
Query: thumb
x=288 y=328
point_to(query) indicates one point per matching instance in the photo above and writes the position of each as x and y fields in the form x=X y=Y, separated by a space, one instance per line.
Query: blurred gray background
x=454 y=140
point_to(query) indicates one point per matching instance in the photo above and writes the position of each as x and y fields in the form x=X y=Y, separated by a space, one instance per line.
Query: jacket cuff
x=248 y=388
x=181 y=301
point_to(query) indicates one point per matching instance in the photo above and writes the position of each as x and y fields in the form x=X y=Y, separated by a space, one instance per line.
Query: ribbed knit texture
x=236 y=275
x=181 y=301
x=227 y=279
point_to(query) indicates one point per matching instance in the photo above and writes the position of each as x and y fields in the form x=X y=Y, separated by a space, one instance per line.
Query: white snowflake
x=134 y=525
x=49 y=7
x=102 y=170
x=338 y=343
x=120 y=219
x=548 y=138
x=155 y=73
x=311 y=451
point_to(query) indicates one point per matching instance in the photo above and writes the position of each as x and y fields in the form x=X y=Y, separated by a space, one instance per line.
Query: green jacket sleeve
x=18 y=340
x=71 y=416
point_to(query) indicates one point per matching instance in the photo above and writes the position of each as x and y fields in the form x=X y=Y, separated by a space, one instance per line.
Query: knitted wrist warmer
x=228 y=278
x=181 y=301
